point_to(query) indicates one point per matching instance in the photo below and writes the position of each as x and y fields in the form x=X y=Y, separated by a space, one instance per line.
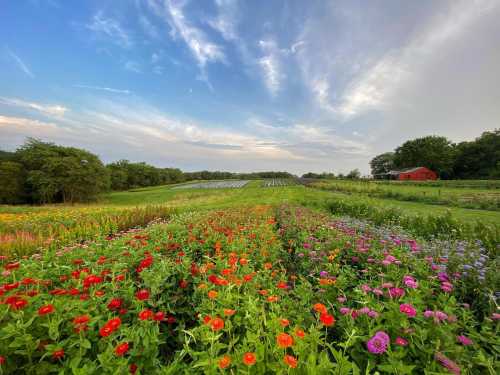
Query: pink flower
x=396 y=292
x=377 y=291
x=365 y=288
x=408 y=310
x=401 y=341
x=378 y=343
x=428 y=314
x=345 y=310
x=446 y=287
x=410 y=282
x=464 y=340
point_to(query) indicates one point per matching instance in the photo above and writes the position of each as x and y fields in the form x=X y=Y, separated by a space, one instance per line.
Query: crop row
x=277 y=182
x=252 y=290
x=229 y=184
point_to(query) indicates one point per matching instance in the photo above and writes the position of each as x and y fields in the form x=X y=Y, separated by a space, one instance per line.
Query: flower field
x=229 y=184
x=277 y=182
x=252 y=290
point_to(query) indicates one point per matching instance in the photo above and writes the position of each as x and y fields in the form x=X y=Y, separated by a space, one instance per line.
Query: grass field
x=478 y=196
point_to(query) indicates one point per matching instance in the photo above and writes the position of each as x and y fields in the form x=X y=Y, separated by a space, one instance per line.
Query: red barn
x=418 y=173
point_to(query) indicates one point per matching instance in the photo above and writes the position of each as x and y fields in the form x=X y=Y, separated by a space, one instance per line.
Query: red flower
x=132 y=368
x=121 y=349
x=2 y=360
x=327 y=319
x=82 y=319
x=217 y=324
x=284 y=340
x=183 y=284
x=58 y=354
x=249 y=359
x=145 y=314
x=115 y=304
x=142 y=295
x=111 y=326
x=159 y=316
x=290 y=360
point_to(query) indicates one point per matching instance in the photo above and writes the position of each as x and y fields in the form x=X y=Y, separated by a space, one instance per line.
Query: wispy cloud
x=226 y=20
x=108 y=89
x=150 y=29
x=49 y=110
x=133 y=66
x=20 y=63
x=110 y=29
x=202 y=48
x=271 y=66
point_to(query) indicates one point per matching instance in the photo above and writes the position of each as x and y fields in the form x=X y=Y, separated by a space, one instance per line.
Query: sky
x=247 y=85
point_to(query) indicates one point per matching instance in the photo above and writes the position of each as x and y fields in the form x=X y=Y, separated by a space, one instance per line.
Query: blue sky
x=247 y=85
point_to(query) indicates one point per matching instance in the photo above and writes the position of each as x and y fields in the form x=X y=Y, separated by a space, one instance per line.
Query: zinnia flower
x=217 y=324
x=121 y=349
x=378 y=343
x=224 y=362
x=44 y=310
x=284 y=340
x=142 y=295
x=327 y=319
x=408 y=310
x=249 y=358
x=290 y=360
x=464 y=340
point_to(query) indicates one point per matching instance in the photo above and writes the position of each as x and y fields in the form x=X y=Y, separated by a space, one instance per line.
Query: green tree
x=382 y=164
x=355 y=174
x=434 y=152
x=12 y=180
x=57 y=173
x=479 y=159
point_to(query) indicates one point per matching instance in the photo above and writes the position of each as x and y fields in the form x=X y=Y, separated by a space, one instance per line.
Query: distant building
x=415 y=174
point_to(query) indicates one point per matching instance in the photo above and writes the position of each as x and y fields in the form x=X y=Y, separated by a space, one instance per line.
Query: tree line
x=41 y=172
x=477 y=159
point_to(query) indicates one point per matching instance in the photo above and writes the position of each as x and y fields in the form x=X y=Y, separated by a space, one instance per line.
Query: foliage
x=59 y=174
x=382 y=163
x=479 y=158
x=12 y=180
x=242 y=291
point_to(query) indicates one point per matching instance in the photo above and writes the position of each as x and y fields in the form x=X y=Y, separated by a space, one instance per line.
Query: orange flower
x=229 y=312
x=243 y=261
x=249 y=358
x=284 y=322
x=272 y=299
x=284 y=340
x=327 y=319
x=290 y=360
x=212 y=294
x=268 y=266
x=300 y=333
x=263 y=292
x=319 y=307
x=217 y=324
x=207 y=319
x=224 y=362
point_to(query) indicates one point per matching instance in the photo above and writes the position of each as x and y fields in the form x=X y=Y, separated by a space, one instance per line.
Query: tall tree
x=12 y=180
x=433 y=152
x=382 y=164
x=57 y=173
x=480 y=158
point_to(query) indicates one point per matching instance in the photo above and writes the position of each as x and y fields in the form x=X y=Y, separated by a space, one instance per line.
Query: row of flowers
x=252 y=290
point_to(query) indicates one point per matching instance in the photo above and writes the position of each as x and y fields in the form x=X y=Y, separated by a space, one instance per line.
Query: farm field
x=477 y=196
x=277 y=182
x=230 y=184
x=257 y=289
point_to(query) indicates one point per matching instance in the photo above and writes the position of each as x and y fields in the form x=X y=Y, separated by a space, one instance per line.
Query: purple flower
x=410 y=282
x=378 y=343
x=345 y=310
x=323 y=273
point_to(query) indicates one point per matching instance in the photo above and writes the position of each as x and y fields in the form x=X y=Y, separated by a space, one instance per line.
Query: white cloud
x=202 y=48
x=270 y=65
x=20 y=63
x=377 y=87
x=226 y=21
x=49 y=110
x=110 y=29
x=108 y=89
x=133 y=66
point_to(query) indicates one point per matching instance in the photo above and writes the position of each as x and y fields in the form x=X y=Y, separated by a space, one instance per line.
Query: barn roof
x=406 y=170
